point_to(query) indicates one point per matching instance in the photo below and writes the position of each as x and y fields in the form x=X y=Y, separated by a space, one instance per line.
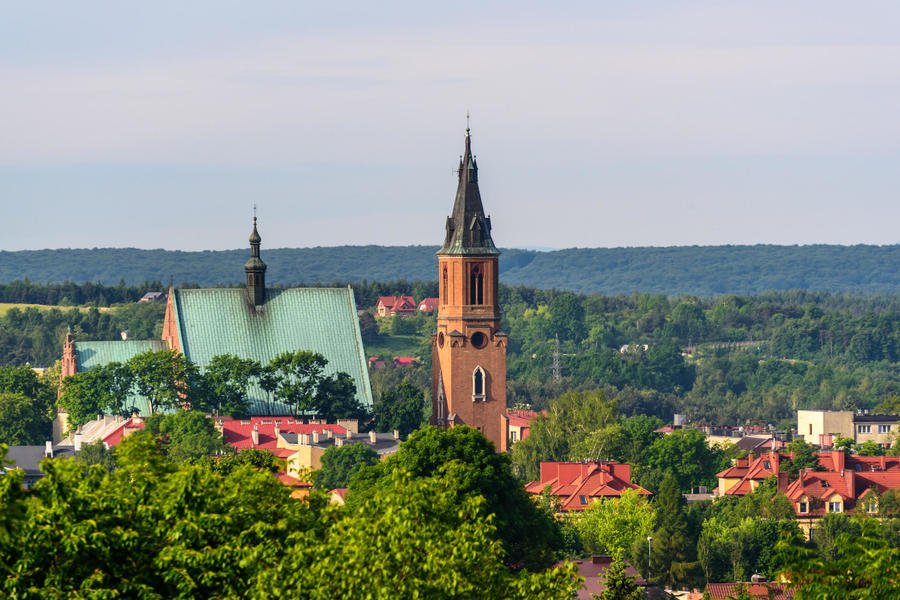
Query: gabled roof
x=724 y=591
x=93 y=354
x=577 y=483
x=429 y=304
x=397 y=302
x=751 y=470
x=222 y=321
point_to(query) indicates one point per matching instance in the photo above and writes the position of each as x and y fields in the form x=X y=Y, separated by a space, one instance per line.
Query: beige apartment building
x=820 y=427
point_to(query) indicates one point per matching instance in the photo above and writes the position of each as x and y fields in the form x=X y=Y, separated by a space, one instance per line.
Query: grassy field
x=389 y=346
x=5 y=307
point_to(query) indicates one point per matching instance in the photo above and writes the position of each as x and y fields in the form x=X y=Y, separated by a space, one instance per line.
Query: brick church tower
x=469 y=350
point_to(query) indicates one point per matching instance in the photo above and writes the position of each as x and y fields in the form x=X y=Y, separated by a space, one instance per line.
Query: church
x=250 y=322
x=468 y=348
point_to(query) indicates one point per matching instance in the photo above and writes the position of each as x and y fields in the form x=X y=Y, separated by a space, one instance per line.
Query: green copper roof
x=324 y=320
x=93 y=354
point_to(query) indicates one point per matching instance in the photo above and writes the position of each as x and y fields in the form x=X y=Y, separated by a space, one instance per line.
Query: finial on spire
x=467 y=123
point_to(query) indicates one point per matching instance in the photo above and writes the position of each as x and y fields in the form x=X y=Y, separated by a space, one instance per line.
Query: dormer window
x=802 y=507
x=835 y=507
x=871 y=505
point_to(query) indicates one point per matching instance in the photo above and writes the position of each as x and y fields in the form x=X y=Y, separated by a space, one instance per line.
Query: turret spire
x=468 y=229
x=255 y=269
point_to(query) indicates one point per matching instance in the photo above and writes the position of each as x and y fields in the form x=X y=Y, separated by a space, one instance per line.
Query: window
x=871 y=505
x=863 y=429
x=582 y=499
x=802 y=507
x=479 y=340
x=478 y=384
x=835 y=507
x=810 y=429
x=476 y=285
x=444 y=288
x=512 y=437
x=884 y=429
x=767 y=465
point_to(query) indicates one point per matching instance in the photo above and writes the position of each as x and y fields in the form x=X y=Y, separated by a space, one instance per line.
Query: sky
x=596 y=124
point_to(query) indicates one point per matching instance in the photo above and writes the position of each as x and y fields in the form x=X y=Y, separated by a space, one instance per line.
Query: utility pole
x=557 y=367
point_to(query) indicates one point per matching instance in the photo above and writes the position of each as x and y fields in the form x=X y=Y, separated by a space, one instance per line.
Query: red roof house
x=754 y=589
x=594 y=570
x=390 y=306
x=262 y=432
x=748 y=473
x=404 y=361
x=575 y=484
x=429 y=305
x=519 y=423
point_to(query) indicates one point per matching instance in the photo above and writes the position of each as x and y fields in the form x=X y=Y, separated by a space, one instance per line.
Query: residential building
x=250 y=322
x=593 y=571
x=852 y=484
x=273 y=434
x=28 y=460
x=757 y=588
x=518 y=424
x=429 y=305
x=469 y=349
x=307 y=449
x=153 y=297
x=576 y=484
x=393 y=306
x=747 y=473
x=821 y=427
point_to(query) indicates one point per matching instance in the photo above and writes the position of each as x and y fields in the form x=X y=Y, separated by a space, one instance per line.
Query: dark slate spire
x=468 y=230
x=256 y=270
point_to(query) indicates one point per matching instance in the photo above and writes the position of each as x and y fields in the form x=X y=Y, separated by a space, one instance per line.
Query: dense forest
x=725 y=360
x=698 y=270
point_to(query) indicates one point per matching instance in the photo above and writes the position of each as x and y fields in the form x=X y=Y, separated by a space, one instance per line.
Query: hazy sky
x=599 y=123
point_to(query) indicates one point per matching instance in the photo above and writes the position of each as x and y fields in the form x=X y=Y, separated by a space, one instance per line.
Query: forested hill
x=700 y=270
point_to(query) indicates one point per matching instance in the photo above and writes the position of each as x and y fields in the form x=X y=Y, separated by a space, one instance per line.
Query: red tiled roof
x=573 y=482
x=725 y=591
x=404 y=360
x=129 y=426
x=397 y=302
x=751 y=470
x=238 y=432
x=521 y=418
x=593 y=571
x=292 y=481
x=429 y=304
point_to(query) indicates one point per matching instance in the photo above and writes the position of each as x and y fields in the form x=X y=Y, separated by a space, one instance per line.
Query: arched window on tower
x=478 y=384
x=444 y=299
x=476 y=285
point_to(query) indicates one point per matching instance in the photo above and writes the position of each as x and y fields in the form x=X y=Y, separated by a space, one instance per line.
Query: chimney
x=277 y=431
x=329 y=434
x=304 y=439
x=124 y=335
x=338 y=442
x=757 y=578
x=372 y=437
x=48 y=449
x=254 y=435
x=315 y=437
x=396 y=434
x=77 y=440
x=349 y=435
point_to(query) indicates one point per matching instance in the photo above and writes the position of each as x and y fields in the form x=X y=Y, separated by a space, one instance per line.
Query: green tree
x=869 y=448
x=336 y=399
x=96 y=454
x=672 y=560
x=229 y=378
x=22 y=420
x=613 y=525
x=186 y=436
x=400 y=408
x=866 y=566
x=617 y=585
x=804 y=457
x=161 y=377
x=414 y=537
x=465 y=459
x=102 y=390
x=340 y=464
x=298 y=375
x=685 y=454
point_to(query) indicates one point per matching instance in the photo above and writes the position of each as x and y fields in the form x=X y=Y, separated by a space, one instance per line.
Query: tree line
x=699 y=270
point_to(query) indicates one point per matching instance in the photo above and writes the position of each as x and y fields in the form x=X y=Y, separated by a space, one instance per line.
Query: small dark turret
x=468 y=230
x=256 y=270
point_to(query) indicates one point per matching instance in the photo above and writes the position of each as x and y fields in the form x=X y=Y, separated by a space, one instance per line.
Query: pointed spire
x=255 y=268
x=468 y=229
